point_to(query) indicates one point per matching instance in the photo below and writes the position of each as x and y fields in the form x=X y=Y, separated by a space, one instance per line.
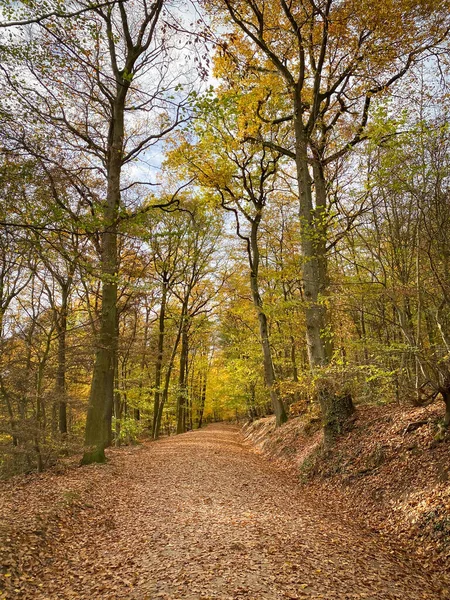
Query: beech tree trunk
x=98 y=423
x=159 y=358
x=269 y=372
x=335 y=410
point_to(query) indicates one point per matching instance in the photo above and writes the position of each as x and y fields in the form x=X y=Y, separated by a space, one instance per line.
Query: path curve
x=203 y=516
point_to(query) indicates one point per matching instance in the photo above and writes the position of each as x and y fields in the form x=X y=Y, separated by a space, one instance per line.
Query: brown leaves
x=386 y=474
x=194 y=517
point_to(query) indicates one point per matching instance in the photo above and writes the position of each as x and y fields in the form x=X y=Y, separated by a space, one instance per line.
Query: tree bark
x=182 y=387
x=98 y=423
x=335 y=410
x=118 y=406
x=446 y=397
x=269 y=372
x=202 y=401
x=61 y=370
x=159 y=358
x=168 y=375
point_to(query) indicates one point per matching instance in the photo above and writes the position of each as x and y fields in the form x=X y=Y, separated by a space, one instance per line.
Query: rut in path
x=202 y=516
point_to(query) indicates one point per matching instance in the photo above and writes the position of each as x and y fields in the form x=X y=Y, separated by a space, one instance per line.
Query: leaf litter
x=197 y=516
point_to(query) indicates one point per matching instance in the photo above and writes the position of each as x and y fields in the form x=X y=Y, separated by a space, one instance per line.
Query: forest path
x=203 y=516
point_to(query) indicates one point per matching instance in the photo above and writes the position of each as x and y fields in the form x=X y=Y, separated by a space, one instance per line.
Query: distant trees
x=186 y=263
x=242 y=178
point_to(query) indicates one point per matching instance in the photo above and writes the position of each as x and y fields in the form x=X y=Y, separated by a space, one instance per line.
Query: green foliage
x=130 y=429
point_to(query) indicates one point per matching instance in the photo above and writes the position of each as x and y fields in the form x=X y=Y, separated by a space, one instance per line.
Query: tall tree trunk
x=320 y=216
x=168 y=375
x=61 y=395
x=335 y=410
x=117 y=402
x=293 y=356
x=159 y=358
x=190 y=415
x=98 y=423
x=202 y=400
x=182 y=387
x=269 y=372
x=137 y=411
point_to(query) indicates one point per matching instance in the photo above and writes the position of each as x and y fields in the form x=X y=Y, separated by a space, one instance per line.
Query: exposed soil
x=192 y=517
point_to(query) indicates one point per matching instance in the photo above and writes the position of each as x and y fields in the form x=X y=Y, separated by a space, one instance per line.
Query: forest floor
x=196 y=516
x=387 y=471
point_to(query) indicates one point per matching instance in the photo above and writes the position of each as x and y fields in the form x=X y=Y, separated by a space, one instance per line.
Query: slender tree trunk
x=182 y=388
x=194 y=392
x=202 y=401
x=61 y=394
x=137 y=412
x=293 y=355
x=41 y=418
x=5 y=395
x=446 y=397
x=117 y=402
x=168 y=375
x=269 y=372
x=364 y=334
x=9 y=408
x=159 y=358
x=190 y=423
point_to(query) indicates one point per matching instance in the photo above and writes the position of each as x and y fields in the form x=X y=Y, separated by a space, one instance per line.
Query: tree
x=166 y=244
x=313 y=69
x=195 y=293
x=403 y=249
x=91 y=83
x=243 y=179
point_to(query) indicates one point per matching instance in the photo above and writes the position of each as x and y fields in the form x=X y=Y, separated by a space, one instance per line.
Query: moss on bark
x=97 y=455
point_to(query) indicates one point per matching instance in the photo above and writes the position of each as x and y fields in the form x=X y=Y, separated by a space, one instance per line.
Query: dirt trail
x=201 y=516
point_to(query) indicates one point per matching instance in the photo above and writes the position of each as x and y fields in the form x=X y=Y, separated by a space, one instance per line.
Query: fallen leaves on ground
x=387 y=472
x=198 y=516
